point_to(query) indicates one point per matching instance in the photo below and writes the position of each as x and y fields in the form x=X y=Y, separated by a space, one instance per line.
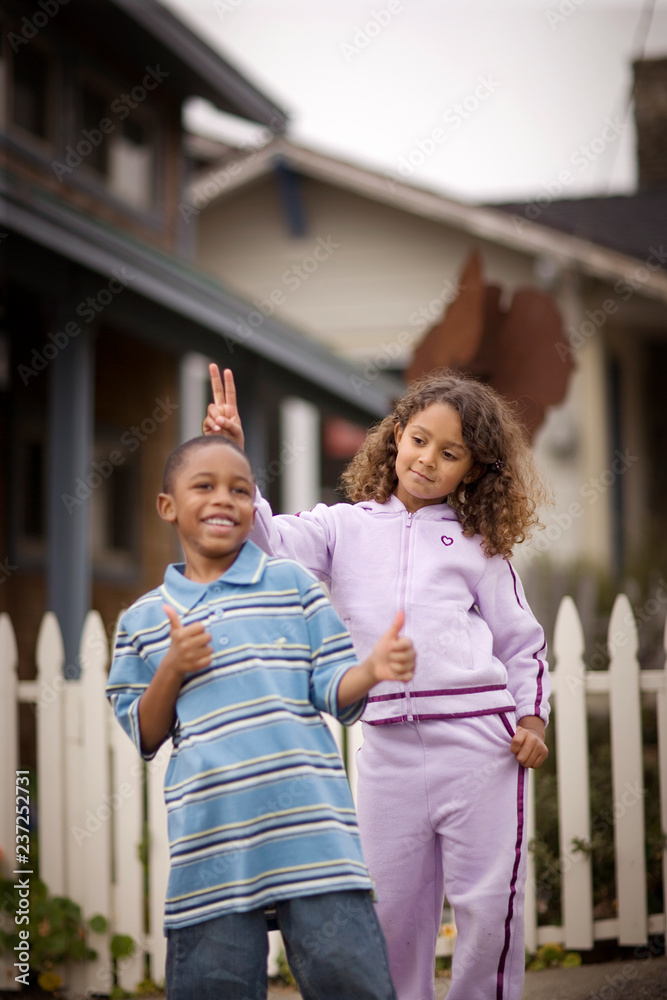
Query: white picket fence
x=90 y=803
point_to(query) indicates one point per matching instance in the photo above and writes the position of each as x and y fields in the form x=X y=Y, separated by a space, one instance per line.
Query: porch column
x=70 y=484
x=194 y=394
x=299 y=461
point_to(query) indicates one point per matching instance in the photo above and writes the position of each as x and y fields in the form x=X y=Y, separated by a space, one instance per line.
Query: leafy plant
x=58 y=932
x=284 y=972
x=553 y=956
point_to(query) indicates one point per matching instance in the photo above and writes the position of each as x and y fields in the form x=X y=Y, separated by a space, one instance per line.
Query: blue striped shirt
x=259 y=806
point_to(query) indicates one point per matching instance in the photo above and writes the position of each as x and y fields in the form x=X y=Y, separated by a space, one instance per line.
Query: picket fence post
x=9 y=749
x=661 y=712
x=49 y=708
x=530 y=905
x=571 y=723
x=127 y=912
x=627 y=774
x=9 y=741
x=158 y=860
x=88 y=831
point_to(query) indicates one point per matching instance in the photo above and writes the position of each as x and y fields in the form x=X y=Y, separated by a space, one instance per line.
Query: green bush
x=58 y=932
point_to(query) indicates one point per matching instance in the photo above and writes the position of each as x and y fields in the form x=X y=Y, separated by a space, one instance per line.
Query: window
x=114 y=512
x=29 y=106
x=28 y=94
x=111 y=487
x=117 y=141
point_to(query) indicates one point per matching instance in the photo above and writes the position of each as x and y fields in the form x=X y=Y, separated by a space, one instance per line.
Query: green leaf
x=98 y=924
x=122 y=946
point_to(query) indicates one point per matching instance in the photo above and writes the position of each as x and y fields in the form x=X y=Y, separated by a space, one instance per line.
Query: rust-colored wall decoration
x=514 y=349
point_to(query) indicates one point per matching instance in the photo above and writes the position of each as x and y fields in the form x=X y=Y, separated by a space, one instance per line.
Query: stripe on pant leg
x=515 y=874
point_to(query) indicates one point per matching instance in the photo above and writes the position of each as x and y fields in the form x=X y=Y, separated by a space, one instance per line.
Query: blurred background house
x=106 y=324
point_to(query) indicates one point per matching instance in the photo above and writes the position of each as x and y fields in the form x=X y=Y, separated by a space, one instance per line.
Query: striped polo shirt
x=259 y=806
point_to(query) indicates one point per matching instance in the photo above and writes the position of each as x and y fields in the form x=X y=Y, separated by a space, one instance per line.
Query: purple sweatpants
x=441 y=807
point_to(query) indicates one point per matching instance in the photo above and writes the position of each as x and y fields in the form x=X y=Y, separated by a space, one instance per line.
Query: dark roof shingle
x=629 y=224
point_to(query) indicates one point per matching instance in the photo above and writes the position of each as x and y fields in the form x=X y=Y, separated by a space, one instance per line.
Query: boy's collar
x=184 y=593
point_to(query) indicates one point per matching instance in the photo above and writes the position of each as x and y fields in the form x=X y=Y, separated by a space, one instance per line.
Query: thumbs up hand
x=190 y=648
x=392 y=659
x=393 y=655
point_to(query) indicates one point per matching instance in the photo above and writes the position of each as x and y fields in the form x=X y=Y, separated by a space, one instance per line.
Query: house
x=626 y=321
x=367 y=264
x=107 y=323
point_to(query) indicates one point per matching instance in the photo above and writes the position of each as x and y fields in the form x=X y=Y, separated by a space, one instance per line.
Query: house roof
x=492 y=223
x=188 y=293
x=146 y=32
x=627 y=224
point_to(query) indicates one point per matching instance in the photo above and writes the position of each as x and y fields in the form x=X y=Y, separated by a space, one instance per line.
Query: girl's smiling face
x=432 y=459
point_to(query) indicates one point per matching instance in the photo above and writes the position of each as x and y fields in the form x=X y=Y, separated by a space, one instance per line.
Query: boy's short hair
x=176 y=457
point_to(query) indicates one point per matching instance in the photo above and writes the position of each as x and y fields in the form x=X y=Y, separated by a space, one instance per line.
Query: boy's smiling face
x=211 y=505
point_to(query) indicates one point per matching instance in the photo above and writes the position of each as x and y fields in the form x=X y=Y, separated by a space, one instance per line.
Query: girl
x=442 y=490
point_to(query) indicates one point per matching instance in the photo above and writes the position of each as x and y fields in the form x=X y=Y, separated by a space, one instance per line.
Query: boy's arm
x=190 y=650
x=392 y=659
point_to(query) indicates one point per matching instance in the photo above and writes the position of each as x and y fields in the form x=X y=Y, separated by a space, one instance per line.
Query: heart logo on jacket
x=446 y=540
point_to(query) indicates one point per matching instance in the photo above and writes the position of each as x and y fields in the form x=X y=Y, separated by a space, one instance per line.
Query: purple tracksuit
x=441 y=797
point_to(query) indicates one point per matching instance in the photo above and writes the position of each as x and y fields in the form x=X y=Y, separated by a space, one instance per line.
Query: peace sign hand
x=222 y=415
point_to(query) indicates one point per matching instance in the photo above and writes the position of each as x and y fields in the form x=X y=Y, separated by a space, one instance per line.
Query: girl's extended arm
x=392 y=659
x=306 y=539
x=190 y=650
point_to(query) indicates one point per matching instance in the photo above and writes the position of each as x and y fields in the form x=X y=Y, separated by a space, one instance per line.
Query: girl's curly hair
x=501 y=503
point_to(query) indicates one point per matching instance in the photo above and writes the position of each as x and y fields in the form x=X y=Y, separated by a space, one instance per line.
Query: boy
x=234 y=657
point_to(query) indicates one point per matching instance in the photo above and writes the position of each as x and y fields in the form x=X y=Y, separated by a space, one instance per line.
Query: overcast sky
x=483 y=101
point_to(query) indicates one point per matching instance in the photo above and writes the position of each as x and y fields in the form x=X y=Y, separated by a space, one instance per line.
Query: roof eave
x=212 y=76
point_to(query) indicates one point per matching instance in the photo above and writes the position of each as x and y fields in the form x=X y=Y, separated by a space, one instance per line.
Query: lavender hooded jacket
x=479 y=648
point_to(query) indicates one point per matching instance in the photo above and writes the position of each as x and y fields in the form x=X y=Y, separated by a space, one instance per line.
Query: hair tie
x=497 y=466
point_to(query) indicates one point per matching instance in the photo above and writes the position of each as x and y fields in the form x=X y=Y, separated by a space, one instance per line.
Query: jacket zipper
x=404 y=587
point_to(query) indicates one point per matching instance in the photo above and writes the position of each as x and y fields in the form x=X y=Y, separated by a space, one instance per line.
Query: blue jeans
x=333 y=941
